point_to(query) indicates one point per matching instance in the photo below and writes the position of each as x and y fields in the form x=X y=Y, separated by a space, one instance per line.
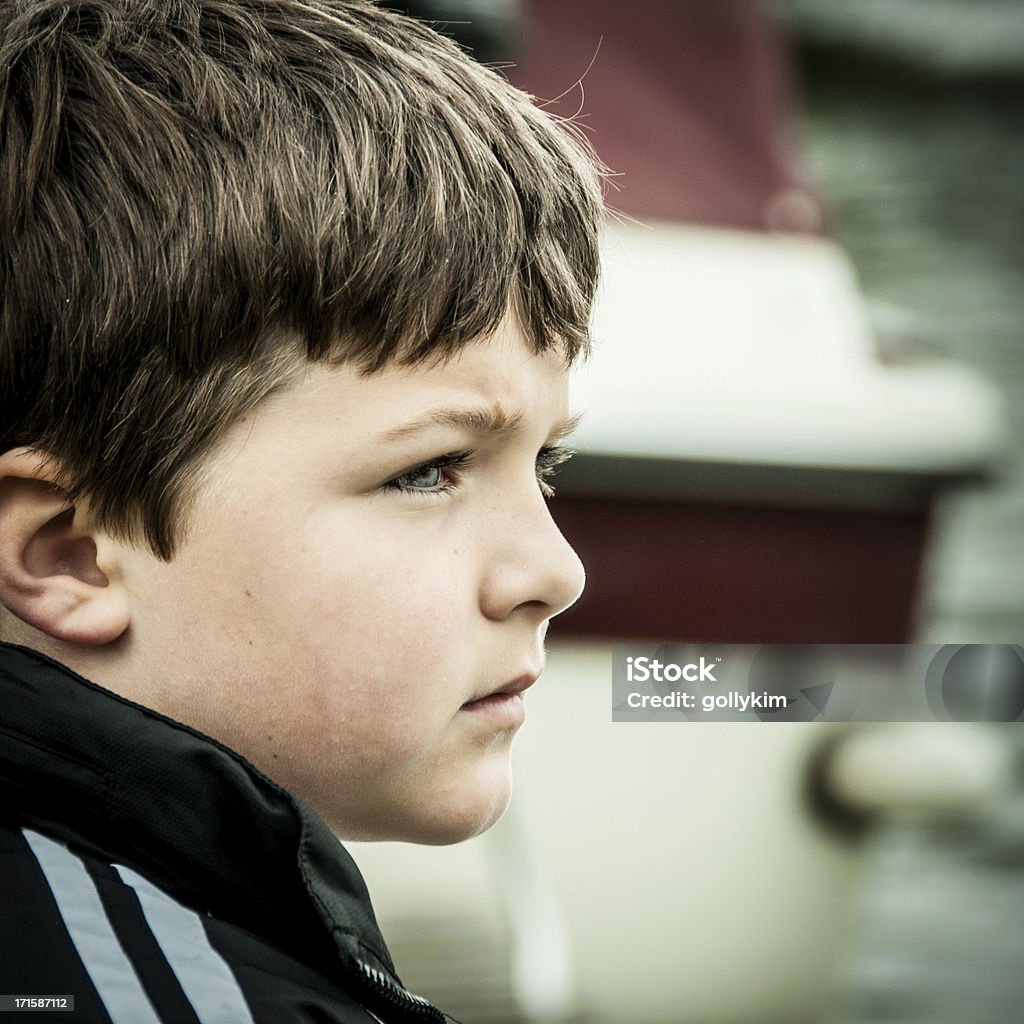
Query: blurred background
x=804 y=425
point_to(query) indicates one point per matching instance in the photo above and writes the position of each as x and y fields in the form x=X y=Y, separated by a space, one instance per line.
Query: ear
x=50 y=574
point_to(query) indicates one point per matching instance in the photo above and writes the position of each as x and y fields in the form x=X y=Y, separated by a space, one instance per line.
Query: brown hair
x=195 y=192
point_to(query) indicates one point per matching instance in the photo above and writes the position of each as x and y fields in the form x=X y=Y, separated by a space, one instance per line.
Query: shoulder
x=75 y=925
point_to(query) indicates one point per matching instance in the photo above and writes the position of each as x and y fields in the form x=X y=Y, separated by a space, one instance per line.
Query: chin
x=443 y=817
x=435 y=813
x=447 y=830
x=455 y=821
x=435 y=827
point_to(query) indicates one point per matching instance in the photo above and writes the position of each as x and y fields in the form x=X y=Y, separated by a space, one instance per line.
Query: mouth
x=503 y=707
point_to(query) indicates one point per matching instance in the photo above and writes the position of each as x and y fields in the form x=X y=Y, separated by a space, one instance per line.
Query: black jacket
x=159 y=878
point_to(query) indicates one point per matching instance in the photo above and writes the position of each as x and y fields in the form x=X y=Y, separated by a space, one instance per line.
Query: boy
x=288 y=294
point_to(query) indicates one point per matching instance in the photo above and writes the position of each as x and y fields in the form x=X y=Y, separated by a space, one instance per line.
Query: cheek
x=382 y=635
x=384 y=592
x=344 y=639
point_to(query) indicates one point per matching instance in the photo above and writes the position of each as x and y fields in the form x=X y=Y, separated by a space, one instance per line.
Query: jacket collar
x=130 y=785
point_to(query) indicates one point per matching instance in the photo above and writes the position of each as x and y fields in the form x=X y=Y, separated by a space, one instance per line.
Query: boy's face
x=367 y=559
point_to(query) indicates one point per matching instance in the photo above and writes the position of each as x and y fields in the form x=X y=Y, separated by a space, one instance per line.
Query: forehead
x=498 y=386
x=500 y=380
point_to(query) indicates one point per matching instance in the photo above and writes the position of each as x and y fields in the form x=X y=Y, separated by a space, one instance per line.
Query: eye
x=437 y=476
x=548 y=461
x=426 y=478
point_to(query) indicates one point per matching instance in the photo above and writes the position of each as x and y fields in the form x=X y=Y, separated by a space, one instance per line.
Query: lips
x=501 y=710
x=517 y=686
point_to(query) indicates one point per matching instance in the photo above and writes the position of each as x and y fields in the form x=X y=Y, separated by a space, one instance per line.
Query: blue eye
x=441 y=475
x=434 y=477
x=426 y=478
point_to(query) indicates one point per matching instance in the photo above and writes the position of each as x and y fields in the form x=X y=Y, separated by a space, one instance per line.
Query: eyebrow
x=493 y=420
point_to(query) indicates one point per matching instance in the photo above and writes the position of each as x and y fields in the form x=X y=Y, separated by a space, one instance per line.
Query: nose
x=533 y=568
